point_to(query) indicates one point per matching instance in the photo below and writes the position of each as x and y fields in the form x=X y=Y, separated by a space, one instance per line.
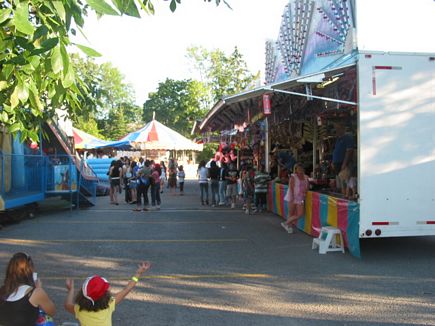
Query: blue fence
x=30 y=178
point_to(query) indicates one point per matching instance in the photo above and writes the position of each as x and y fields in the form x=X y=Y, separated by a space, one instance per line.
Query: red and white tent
x=156 y=136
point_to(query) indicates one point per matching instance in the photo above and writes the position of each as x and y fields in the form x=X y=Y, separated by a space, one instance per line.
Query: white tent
x=156 y=136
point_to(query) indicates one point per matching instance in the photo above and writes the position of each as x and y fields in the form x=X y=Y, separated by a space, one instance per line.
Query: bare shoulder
x=38 y=294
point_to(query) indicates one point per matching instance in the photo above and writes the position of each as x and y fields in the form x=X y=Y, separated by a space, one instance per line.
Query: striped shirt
x=260 y=181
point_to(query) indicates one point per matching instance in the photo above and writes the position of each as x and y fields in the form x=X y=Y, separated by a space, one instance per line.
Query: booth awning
x=235 y=109
x=83 y=140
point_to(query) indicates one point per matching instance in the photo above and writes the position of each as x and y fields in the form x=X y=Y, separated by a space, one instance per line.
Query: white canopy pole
x=313 y=96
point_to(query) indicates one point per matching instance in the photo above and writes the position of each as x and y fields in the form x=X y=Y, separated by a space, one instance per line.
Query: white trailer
x=396 y=144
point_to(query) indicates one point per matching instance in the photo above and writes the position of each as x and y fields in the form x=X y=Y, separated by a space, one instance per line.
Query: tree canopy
x=179 y=103
x=176 y=104
x=108 y=107
x=36 y=73
x=221 y=74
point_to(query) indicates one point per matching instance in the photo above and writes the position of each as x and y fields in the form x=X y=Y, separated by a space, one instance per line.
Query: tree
x=89 y=124
x=208 y=152
x=115 y=126
x=88 y=82
x=36 y=74
x=222 y=75
x=177 y=104
x=106 y=93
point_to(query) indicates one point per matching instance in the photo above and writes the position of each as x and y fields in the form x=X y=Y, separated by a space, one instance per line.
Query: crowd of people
x=143 y=181
x=249 y=186
x=230 y=185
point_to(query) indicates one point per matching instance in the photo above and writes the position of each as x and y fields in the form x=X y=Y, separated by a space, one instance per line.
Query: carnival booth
x=311 y=89
x=299 y=129
x=360 y=122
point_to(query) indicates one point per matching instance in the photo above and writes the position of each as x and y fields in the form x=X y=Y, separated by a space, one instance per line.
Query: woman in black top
x=21 y=295
x=115 y=174
x=214 y=180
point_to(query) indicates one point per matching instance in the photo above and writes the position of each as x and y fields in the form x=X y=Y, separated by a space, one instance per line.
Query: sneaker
x=247 y=211
x=289 y=229
x=285 y=226
x=233 y=206
x=213 y=205
x=221 y=204
x=158 y=207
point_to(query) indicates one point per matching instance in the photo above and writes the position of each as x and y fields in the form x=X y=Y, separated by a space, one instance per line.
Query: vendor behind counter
x=282 y=165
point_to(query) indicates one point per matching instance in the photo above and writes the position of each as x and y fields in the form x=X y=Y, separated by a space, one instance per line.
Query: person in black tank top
x=20 y=295
x=20 y=312
x=115 y=174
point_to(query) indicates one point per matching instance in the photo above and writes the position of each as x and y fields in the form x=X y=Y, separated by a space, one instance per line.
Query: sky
x=151 y=49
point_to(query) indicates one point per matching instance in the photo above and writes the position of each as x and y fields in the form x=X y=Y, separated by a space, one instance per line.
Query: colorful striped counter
x=321 y=210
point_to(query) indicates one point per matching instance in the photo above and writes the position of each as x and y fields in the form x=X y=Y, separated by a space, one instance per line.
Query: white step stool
x=327 y=240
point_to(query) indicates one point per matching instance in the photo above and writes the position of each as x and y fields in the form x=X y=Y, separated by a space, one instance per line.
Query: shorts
x=115 y=182
x=132 y=184
x=232 y=190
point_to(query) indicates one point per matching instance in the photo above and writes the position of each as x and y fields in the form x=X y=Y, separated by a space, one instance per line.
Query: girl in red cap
x=94 y=304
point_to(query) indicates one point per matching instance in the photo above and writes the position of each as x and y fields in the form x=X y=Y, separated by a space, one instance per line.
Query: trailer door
x=396 y=144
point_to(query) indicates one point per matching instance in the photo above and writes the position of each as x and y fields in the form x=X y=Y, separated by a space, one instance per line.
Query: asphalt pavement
x=218 y=266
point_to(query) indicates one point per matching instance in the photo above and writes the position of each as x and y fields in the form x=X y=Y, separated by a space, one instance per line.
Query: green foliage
x=222 y=75
x=88 y=125
x=177 y=104
x=107 y=93
x=208 y=152
x=36 y=74
x=116 y=126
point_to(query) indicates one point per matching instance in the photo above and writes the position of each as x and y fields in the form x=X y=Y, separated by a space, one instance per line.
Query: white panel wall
x=397 y=142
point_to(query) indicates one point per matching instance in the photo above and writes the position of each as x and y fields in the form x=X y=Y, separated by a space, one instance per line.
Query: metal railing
x=22 y=174
x=25 y=175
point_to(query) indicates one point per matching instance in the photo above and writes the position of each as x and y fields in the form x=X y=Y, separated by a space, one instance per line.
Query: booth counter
x=321 y=210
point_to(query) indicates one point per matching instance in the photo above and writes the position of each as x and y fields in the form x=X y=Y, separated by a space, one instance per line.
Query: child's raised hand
x=143 y=267
x=69 y=283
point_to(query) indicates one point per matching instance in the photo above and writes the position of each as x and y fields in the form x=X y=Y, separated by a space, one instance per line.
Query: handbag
x=44 y=319
x=144 y=180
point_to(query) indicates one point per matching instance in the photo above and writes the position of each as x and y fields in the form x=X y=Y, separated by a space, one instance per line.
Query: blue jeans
x=141 y=191
x=204 y=192
x=155 y=194
x=222 y=190
x=214 y=192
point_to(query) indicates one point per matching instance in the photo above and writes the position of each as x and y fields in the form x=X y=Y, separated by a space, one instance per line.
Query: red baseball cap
x=95 y=287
